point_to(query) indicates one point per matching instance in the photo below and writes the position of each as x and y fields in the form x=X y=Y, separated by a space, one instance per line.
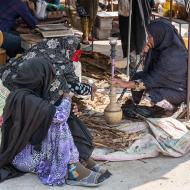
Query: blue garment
x=11 y=10
x=165 y=69
x=12 y=44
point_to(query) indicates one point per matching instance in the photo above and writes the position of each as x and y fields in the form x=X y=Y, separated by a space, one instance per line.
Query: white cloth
x=167 y=136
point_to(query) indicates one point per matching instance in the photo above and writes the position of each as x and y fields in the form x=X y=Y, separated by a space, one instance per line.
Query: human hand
x=146 y=48
x=122 y=84
x=75 y=110
x=118 y=83
x=149 y=45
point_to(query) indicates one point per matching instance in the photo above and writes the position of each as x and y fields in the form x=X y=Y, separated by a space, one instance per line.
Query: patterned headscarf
x=58 y=51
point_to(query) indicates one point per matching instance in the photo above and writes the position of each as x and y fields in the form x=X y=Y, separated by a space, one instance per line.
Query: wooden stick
x=100 y=145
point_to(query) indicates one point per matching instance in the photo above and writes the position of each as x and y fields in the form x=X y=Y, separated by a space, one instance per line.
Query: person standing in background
x=87 y=10
x=140 y=18
x=123 y=11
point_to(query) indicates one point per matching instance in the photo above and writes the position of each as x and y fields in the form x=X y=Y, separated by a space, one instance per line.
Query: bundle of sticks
x=105 y=136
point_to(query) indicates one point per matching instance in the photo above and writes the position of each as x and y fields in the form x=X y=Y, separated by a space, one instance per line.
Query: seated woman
x=35 y=134
x=59 y=51
x=164 y=76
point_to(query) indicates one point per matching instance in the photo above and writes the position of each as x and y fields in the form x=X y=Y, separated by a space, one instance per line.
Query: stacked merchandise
x=104 y=24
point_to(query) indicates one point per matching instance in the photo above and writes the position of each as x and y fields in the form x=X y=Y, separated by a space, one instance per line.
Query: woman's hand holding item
x=122 y=84
x=149 y=45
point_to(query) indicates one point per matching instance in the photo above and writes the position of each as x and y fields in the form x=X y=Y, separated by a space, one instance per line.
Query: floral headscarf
x=59 y=51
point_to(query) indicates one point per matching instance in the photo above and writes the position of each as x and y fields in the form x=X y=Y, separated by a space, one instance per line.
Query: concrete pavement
x=161 y=173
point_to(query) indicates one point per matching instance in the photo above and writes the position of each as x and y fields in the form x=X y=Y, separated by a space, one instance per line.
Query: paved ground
x=158 y=174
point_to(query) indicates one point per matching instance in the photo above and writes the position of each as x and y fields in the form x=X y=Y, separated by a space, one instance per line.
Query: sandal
x=105 y=173
x=92 y=180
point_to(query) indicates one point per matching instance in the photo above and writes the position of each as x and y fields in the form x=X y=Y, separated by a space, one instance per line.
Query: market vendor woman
x=164 y=76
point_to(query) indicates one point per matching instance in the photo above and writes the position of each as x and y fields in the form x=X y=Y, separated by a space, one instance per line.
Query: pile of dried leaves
x=101 y=99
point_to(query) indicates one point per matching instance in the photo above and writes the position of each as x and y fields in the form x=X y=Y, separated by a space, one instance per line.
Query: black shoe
x=153 y=112
x=129 y=110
